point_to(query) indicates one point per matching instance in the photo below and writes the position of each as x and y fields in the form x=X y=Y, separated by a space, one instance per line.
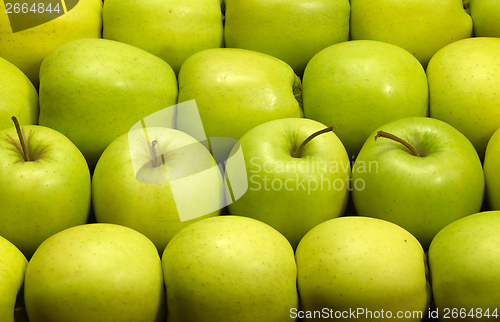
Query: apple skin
x=420 y=26
x=12 y=269
x=293 y=31
x=421 y=194
x=152 y=209
x=486 y=17
x=491 y=165
x=19 y=96
x=26 y=49
x=463 y=88
x=360 y=85
x=229 y=268
x=94 y=90
x=44 y=196
x=238 y=89
x=95 y=272
x=360 y=262
x=464 y=262
x=171 y=30
x=302 y=199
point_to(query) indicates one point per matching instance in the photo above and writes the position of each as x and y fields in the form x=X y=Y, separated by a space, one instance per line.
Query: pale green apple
x=368 y=266
x=291 y=30
x=422 y=27
x=158 y=199
x=95 y=272
x=292 y=193
x=12 y=268
x=423 y=193
x=94 y=90
x=44 y=195
x=19 y=96
x=491 y=174
x=172 y=30
x=464 y=87
x=229 y=268
x=28 y=46
x=464 y=261
x=360 y=85
x=238 y=89
x=486 y=17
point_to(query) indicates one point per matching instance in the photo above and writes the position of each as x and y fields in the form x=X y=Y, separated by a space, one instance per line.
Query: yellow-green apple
x=45 y=185
x=361 y=268
x=464 y=87
x=156 y=180
x=296 y=176
x=360 y=85
x=464 y=262
x=485 y=17
x=290 y=30
x=12 y=269
x=229 y=268
x=19 y=96
x=95 y=272
x=172 y=30
x=420 y=26
x=94 y=90
x=238 y=89
x=491 y=174
x=27 y=37
x=419 y=173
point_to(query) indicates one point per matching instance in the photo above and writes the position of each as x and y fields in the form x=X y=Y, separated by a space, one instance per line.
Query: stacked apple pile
x=255 y=161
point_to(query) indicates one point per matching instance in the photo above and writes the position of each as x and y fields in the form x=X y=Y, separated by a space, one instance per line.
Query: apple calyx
x=297 y=91
x=466 y=5
x=300 y=150
x=397 y=139
x=22 y=140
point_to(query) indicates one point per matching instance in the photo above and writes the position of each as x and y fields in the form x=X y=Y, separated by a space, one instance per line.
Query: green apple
x=19 y=96
x=28 y=46
x=94 y=90
x=422 y=27
x=486 y=17
x=156 y=197
x=238 y=89
x=293 y=31
x=463 y=86
x=45 y=185
x=361 y=268
x=171 y=30
x=95 y=272
x=360 y=85
x=419 y=173
x=464 y=261
x=12 y=268
x=290 y=186
x=491 y=165
x=229 y=268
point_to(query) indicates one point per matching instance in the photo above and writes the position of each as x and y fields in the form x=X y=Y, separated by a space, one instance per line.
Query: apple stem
x=300 y=150
x=22 y=139
x=154 y=152
x=398 y=139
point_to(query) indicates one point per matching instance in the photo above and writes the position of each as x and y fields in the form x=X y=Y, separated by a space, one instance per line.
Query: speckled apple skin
x=95 y=272
x=229 y=268
x=358 y=262
x=44 y=196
